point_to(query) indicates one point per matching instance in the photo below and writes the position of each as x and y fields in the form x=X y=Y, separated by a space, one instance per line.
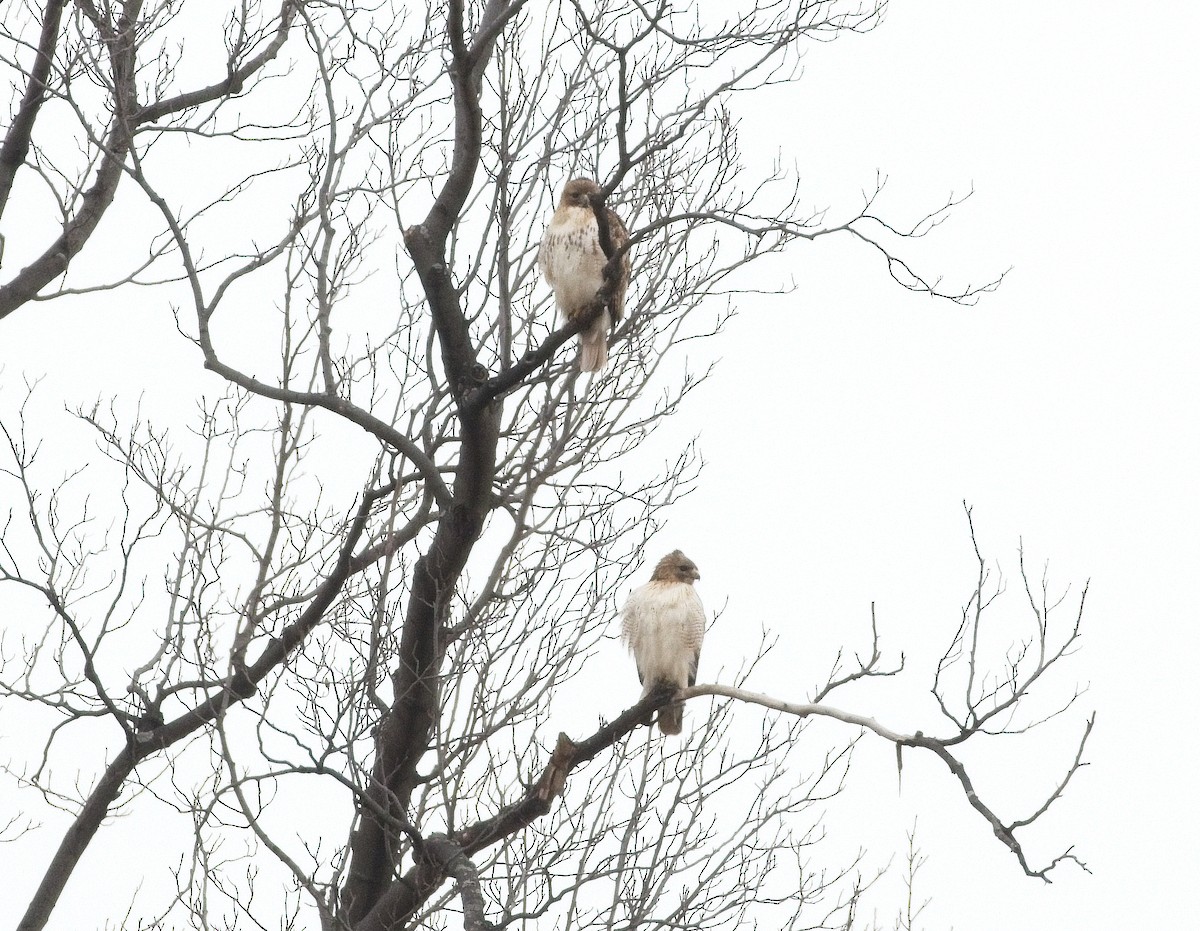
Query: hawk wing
x=620 y=238
x=549 y=256
x=693 y=632
x=629 y=630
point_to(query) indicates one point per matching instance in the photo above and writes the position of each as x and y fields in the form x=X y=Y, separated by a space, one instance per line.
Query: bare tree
x=356 y=578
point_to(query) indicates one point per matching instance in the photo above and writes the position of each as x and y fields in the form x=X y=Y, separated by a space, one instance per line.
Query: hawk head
x=576 y=192
x=675 y=567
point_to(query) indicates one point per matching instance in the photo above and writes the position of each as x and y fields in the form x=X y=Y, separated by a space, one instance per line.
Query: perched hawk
x=662 y=623
x=573 y=263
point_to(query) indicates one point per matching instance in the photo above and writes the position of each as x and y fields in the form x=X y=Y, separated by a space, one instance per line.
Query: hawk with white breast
x=662 y=623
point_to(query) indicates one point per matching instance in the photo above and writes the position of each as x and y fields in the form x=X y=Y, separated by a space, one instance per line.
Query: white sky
x=1063 y=408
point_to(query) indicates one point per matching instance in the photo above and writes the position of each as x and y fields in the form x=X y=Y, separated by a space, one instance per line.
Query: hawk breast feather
x=663 y=625
x=573 y=263
x=571 y=258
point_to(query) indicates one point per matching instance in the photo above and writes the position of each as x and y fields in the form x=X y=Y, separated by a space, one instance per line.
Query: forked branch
x=938 y=746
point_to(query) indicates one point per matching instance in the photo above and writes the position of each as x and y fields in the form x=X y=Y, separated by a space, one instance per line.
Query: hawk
x=662 y=623
x=572 y=262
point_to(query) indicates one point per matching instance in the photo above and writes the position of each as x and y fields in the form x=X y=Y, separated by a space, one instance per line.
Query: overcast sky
x=1063 y=408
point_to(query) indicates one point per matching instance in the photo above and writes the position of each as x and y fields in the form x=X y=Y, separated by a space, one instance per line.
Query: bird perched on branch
x=662 y=623
x=572 y=260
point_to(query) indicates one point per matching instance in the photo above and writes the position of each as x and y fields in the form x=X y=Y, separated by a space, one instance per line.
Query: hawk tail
x=670 y=718
x=593 y=345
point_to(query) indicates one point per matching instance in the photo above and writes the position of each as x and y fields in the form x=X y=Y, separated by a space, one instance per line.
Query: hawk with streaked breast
x=572 y=262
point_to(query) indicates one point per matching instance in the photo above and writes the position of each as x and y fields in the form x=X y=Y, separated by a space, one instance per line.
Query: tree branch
x=121 y=43
x=148 y=742
x=405 y=895
x=939 y=747
x=448 y=857
x=20 y=131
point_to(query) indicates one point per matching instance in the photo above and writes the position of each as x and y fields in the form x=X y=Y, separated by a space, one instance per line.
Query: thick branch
x=466 y=73
x=53 y=262
x=232 y=83
x=83 y=828
x=404 y=732
x=405 y=896
x=448 y=857
x=20 y=132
